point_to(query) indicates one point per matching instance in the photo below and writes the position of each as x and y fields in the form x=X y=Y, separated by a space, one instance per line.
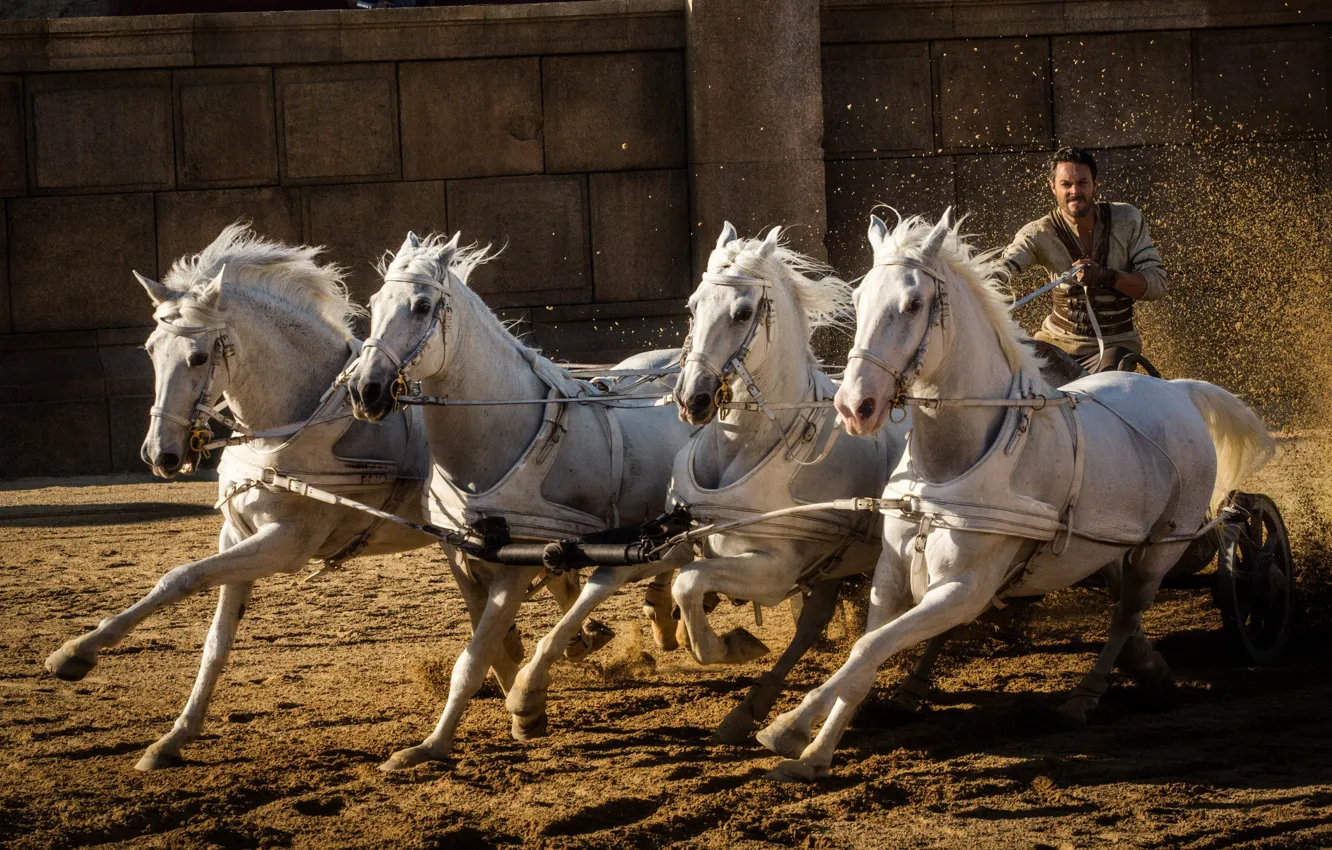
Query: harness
x=517 y=496
x=770 y=485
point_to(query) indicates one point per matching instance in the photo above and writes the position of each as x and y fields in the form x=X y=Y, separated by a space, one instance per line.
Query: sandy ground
x=327 y=679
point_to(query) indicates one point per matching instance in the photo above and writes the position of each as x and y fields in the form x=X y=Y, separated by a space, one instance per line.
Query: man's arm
x=1020 y=253
x=1148 y=281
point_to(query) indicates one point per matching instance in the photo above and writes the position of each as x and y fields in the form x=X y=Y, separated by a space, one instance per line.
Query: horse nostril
x=168 y=461
x=144 y=456
x=699 y=403
x=866 y=409
x=370 y=392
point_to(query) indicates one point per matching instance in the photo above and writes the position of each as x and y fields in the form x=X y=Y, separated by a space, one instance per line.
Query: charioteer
x=1119 y=265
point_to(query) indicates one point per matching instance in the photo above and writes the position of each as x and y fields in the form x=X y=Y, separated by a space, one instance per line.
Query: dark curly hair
x=1077 y=156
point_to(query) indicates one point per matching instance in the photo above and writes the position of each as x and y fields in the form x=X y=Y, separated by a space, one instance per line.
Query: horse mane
x=286 y=273
x=981 y=272
x=824 y=298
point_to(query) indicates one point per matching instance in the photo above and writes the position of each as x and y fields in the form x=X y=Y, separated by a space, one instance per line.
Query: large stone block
x=876 y=97
x=1261 y=83
x=614 y=111
x=127 y=421
x=1116 y=90
x=70 y=261
x=54 y=438
x=104 y=131
x=50 y=374
x=640 y=235
x=856 y=188
x=1001 y=192
x=359 y=223
x=267 y=38
x=475 y=118
x=756 y=196
x=540 y=222
x=755 y=87
x=338 y=123
x=226 y=134
x=13 y=142
x=187 y=222
x=994 y=93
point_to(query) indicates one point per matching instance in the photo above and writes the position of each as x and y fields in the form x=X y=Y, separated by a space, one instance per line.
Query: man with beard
x=1118 y=265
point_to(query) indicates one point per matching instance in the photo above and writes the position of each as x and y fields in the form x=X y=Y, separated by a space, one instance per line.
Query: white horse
x=553 y=470
x=1004 y=493
x=267 y=329
x=753 y=315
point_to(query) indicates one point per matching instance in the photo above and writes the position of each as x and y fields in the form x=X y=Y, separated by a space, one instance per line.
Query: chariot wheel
x=1255 y=578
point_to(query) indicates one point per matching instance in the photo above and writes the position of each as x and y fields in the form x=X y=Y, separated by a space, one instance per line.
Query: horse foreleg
x=505 y=665
x=592 y=635
x=231 y=604
x=657 y=604
x=1137 y=588
x=814 y=616
x=754 y=576
x=527 y=700
x=506 y=588
x=276 y=547
x=946 y=604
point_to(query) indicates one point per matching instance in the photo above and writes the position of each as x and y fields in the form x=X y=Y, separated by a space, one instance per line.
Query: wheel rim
x=1255 y=578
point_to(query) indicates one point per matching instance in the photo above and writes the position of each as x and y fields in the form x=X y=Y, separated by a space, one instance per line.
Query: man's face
x=1073 y=188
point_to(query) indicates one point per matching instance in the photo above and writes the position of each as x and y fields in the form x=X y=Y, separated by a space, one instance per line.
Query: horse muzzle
x=372 y=392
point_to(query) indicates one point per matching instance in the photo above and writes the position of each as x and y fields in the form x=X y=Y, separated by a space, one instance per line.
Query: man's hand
x=1095 y=276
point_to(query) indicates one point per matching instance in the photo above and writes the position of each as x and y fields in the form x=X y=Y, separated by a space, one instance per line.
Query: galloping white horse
x=753 y=314
x=1007 y=487
x=553 y=470
x=267 y=329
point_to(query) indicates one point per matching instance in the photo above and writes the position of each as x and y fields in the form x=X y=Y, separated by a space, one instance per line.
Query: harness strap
x=617 y=462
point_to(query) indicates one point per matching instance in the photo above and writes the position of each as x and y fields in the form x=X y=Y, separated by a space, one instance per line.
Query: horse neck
x=476 y=445
x=279 y=376
x=782 y=376
x=947 y=442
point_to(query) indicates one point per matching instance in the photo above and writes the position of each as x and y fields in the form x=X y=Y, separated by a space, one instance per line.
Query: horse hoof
x=155 y=759
x=736 y=728
x=529 y=728
x=1150 y=671
x=410 y=757
x=741 y=646
x=662 y=636
x=1073 y=713
x=65 y=663
x=796 y=770
x=594 y=636
x=681 y=635
x=783 y=739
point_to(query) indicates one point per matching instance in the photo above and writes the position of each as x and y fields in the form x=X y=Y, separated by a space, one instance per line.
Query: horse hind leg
x=1138 y=584
x=592 y=635
x=505 y=666
x=657 y=604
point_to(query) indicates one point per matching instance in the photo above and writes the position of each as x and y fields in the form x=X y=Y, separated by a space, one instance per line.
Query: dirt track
x=327 y=679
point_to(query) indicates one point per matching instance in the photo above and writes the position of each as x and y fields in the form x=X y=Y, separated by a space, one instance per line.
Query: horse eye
x=197 y=358
x=744 y=314
x=912 y=306
x=421 y=308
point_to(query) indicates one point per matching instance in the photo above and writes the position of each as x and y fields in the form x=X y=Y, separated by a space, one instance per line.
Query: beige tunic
x=1130 y=249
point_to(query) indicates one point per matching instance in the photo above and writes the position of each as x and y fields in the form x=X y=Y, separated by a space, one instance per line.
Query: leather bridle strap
x=435 y=326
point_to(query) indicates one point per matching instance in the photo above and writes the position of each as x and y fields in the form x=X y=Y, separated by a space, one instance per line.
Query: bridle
x=735 y=363
x=723 y=398
x=441 y=320
x=938 y=318
x=205 y=406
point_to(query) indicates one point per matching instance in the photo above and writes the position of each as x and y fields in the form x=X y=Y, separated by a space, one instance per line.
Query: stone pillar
x=755 y=121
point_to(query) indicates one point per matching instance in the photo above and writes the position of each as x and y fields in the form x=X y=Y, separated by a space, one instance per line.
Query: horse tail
x=1242 y=443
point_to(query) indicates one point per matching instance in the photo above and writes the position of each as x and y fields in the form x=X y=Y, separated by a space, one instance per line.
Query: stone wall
x=557 y=131
x=1212 y=117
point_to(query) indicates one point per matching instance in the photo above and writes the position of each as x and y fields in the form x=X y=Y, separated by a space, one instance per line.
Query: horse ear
x=728 y=235
x=211 y=295
x=410 y=243
x=934 y=242
x=878 y=232
x=453 y=243
x=156 y=291
x=770 y=242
